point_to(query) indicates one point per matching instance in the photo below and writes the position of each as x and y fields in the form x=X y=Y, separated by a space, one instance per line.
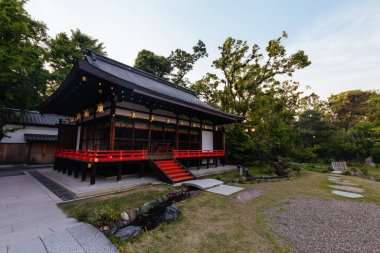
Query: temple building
x=117 y=116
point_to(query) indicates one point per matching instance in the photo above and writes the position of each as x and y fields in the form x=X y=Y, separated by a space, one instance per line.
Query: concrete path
x=30 y=220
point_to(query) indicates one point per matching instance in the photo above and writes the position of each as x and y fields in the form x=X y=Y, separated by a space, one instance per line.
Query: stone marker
x=369 y=162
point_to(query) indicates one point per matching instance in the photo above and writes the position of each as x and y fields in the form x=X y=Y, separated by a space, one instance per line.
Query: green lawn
x=210 y=223
x=375 y=172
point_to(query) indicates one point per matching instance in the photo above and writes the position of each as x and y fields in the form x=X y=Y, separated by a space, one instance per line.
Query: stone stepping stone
x=344 y=182
x=336 y=172
x=246 y=195
x=347 y=188
x=347 y=194
x=335 y=175
x=225 y=189
x=334 y=179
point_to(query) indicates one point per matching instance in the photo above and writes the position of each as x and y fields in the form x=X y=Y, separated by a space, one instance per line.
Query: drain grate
x=55 y=188
x=11 y=174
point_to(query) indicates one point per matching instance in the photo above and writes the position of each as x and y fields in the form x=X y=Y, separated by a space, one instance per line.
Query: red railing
x=197 y=153
x=101 y=155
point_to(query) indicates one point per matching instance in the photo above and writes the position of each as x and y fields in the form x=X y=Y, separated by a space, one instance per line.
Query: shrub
x=346 y=172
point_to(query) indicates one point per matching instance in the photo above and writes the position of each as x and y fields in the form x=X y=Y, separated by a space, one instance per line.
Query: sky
x=341 y=37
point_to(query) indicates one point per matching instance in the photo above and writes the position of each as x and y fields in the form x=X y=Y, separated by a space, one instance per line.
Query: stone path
x=30 y=221
x=344 y=188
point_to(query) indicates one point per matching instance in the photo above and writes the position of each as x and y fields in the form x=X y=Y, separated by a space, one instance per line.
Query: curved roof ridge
x=95 y=55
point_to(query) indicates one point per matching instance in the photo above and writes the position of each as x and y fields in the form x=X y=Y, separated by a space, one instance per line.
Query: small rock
x=128 y=232
x=112 y=230
x=104 y=228
x=121 y=223
x=134 y=213
x=165 y=197
x=124 y=216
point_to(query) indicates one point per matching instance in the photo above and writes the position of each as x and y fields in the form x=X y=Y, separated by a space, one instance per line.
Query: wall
x=18 y=135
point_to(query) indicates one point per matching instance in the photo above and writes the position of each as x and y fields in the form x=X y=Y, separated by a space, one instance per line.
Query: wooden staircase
x=173 y=171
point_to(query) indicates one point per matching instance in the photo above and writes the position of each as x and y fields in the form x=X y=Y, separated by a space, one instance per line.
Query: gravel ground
x=315 y=225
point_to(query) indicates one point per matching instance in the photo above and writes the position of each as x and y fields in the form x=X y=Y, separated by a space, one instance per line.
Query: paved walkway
x=30 y=221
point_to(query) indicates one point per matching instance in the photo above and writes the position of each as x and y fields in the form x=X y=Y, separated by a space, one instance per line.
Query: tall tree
x=249 y=87
x=22 y=73
x=154 y=64
x=63 y=50
x=182 y=62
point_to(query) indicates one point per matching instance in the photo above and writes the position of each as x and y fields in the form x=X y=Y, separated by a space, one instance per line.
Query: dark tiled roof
x=40 y=138
x=151 y=83
x=16 y=116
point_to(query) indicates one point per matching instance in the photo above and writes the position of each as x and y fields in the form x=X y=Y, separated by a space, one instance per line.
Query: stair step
x=174 y=171
x=183 y=179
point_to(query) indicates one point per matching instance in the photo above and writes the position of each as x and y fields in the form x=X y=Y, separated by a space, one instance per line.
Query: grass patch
x=255 y=170
x=106 y=209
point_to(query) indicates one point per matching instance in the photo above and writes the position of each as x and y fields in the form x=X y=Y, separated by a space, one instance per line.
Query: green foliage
x=174 y=67
x=64 y=50
x=22 y=74
x=152 y=63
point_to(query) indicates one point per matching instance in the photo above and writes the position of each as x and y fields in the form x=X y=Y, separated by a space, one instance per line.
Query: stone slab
x=336 y=172
x=31 y=246
x=62 y=242
x=347 y=194
x=225 y=189
x=246 y=195
x=347 y=188
x=102 y=185
x=91 y=239
x=334 y=179
x=203 y=184
x=212 y=170
x=345 y=182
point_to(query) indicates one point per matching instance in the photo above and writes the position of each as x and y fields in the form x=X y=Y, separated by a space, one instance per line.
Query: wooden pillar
x=84 y=171
x=142 y=169
x=64 y=166
x=208 y=162
x=93 y=174
x=76 y=169
x=150 y=130
x=112 y=125
x=70 y=168
x=199 y=163
x=216 y=161
x=176 y=133
x=119 y=172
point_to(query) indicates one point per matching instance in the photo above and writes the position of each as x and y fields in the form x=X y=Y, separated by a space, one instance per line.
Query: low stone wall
x=148 y=216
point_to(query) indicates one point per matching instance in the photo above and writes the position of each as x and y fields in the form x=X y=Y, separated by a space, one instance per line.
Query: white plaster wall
x=18 y=135
x=207 y=140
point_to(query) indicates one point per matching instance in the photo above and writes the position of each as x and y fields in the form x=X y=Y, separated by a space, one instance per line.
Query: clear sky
x=341 y=37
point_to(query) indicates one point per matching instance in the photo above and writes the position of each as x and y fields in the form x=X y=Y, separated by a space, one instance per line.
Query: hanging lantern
x=100 y=84
x=67 y=120
x=84 y=78
x=151 y=118
x=99 y=108
x=86 y=113
x=133 y=115
x=167 y=120
x=100 y=91
x=193 y=124
x=72 y=119
x=79 y=115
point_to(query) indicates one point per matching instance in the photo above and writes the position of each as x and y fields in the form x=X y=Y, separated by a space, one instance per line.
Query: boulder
x=171 y=213
x=128 y=232
x=134 y=213
x=122 y=223
x=124 y=216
